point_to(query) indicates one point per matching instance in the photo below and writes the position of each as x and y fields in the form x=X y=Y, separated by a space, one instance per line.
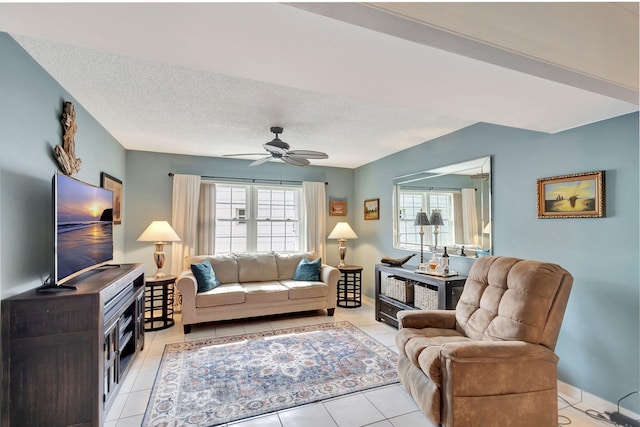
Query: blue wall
x=599 y=341
x=150 y=191
x=30 y=109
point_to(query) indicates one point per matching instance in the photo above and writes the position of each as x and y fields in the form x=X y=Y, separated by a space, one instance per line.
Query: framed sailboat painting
x=579 y=195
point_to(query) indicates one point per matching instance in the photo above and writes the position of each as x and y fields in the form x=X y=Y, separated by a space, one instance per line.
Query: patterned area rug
x=215 y=381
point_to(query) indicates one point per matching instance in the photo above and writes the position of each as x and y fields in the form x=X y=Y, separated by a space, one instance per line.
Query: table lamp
x=342 y=231
x=436 y=220
x=421 y=220
x=159 y=232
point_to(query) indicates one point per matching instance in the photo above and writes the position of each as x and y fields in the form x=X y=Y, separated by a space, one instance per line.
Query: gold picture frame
x=338 y=207
x=115 y=185
x=580 y=195
x=372 y=209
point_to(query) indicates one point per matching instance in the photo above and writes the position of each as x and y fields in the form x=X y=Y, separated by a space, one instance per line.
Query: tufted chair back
x=510 y=299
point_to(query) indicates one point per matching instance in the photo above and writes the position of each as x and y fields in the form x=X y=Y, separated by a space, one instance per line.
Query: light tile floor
x=384 y=407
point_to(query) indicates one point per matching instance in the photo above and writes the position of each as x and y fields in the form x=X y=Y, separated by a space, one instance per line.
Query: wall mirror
x=457 y=202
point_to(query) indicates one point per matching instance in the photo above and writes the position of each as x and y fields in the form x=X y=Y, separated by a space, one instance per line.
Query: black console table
x=448 y=288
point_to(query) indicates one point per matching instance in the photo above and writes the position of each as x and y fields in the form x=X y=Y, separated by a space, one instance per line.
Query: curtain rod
x=434 y=188
x=251 y=180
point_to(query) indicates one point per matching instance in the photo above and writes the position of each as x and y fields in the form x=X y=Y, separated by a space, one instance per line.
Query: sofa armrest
x=419 y=319
x=330 y=275
x=188 y=287
x=481 y=368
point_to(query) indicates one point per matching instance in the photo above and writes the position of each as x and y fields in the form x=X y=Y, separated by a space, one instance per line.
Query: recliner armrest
x=419 y=319
x=495 y=351
x=494 y=368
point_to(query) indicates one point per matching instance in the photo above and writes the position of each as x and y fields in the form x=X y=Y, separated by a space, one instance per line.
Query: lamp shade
x=342 y=230
x=159 y=231
x=421 y=219
x=436 y=217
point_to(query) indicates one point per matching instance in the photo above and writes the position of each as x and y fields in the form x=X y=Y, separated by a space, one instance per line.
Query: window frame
x=404 y=223
x=252 y=218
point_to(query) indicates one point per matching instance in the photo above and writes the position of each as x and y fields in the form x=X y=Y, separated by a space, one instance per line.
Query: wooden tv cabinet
x=65 y=353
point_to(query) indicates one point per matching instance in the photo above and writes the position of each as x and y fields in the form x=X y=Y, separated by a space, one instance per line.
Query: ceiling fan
x=278 y=149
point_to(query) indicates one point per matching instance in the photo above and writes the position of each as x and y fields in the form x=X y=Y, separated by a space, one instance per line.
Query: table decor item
x=396 y=262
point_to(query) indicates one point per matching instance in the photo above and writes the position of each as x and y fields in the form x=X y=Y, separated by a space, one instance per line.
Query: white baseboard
x=368 y=300
x=575 y=396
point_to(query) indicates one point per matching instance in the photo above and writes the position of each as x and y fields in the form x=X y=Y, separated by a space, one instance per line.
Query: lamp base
x=342 y=251
x=159 y=256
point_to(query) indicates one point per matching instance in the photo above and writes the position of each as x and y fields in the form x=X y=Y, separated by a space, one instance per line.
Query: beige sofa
x=254 y=285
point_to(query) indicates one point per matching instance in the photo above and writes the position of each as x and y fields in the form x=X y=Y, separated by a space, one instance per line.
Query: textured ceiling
x=211 y=78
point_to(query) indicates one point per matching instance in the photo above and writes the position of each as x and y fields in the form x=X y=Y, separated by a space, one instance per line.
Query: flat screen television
x=83 y=222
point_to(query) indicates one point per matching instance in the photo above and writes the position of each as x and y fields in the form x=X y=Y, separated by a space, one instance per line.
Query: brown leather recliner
x=489 y=362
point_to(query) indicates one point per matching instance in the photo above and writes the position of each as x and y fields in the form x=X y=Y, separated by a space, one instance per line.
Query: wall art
x=115 y=185
x=338 y=207
x=372 y=209
x=579 y=195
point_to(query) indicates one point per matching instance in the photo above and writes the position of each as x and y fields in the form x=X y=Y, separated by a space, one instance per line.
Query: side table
x=350 y=286
x=158 y=305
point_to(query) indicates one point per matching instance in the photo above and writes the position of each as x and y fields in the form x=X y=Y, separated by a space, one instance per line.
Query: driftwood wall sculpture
x=66 y=154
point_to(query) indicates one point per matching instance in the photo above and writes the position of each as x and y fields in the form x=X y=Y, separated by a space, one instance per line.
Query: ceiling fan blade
x=309 y=154
x=261 y=161
x=243 y=154
x=295 y=160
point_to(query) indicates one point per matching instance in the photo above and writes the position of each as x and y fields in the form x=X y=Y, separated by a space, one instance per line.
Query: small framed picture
x=579 y=195
x=338 y=207
x=372 y=209
x=115 y=185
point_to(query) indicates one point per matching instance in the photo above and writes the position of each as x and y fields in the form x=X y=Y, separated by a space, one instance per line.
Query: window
x=412 y=203
x=253 y=218
x=408 y=234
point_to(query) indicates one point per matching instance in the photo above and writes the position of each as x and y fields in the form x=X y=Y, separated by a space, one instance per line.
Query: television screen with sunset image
x=84 y=227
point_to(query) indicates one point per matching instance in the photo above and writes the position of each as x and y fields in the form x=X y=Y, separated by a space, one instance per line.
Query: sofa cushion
x=205 y=277
x=308 y=270
x=261 y=292
x=258 y=267
x=299 y=289
x=225 y=266
x=225 y=294
x=287 y=263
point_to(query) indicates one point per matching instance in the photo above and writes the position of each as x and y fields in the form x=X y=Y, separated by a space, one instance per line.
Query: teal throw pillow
x=308 y=270
x=205 y=276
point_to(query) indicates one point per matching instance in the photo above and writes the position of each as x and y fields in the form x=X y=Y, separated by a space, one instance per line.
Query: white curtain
x=458 y=220
x=314 y=217
x=184 y=219
x=470 y=217
x=207 y=219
